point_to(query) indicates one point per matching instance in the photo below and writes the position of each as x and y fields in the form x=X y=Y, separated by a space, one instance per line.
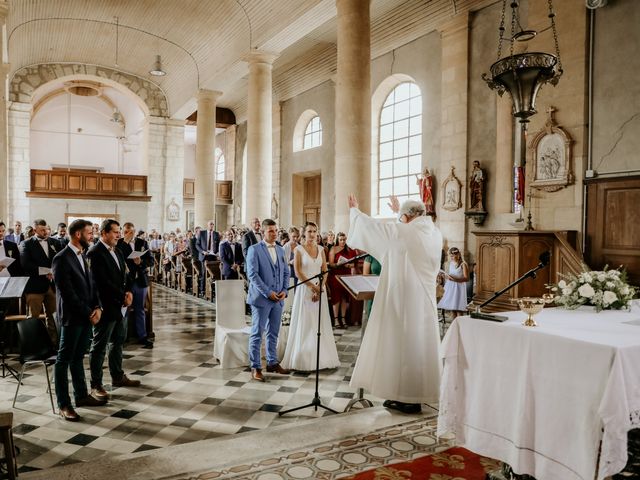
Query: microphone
x=544 y=259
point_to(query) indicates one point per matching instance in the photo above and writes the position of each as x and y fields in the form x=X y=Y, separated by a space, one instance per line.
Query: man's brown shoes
x=277 y=369
x=100 y=393
x=90 y=401
x=69 y=414
x=256 y=374
x=125 y=382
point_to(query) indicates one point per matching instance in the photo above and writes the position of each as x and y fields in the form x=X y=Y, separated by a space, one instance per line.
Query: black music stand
x=315 y=402
x=10 y=287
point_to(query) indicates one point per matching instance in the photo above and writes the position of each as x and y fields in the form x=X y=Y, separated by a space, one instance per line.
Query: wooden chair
x=197 y=271
x=6 y=436
x=187 y=277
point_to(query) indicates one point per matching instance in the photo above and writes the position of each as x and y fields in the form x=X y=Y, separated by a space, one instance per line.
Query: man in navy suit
x=207 y=245
x=78 y=308
x=36 y=253
x=17 y=236
x=268 y=272
x=252 y=237
x=230 y=257
x=114 y=289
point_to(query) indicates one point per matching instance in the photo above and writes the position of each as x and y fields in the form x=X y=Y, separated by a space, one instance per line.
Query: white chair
x=231 y=342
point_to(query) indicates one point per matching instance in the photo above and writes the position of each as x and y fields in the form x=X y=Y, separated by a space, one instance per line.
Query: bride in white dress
x=300 y=352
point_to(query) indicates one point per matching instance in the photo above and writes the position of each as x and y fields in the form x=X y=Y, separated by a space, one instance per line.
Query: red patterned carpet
x=455 y=463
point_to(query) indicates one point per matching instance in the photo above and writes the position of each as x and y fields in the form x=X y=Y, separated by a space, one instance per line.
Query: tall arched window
x=219 y=164
x=313 y=134
x=400 y=154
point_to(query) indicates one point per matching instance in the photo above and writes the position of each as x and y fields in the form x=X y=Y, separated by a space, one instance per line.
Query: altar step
x=229 y=456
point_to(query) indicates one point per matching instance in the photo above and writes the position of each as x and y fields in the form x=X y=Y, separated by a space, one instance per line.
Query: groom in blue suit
x=268 y=273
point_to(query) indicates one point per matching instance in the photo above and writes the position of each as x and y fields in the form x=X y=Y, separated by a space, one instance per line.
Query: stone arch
x=27 y=80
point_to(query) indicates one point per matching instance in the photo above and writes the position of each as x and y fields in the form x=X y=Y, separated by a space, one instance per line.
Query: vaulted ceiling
x=204 y=43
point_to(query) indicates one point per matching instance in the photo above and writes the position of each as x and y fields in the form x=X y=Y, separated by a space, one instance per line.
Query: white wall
x=74 y=131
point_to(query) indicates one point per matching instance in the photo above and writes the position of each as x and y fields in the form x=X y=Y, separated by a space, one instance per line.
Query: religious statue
x=425 y=184
x=275 y=213
x=476 y=188
x=173 y=211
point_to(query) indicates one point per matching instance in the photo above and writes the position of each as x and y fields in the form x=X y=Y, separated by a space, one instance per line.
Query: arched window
x=313 y=134
x=400 y=143
x=219 y=164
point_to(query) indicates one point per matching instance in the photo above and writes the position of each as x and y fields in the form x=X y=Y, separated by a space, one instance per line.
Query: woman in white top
x=300 y=352
x=455 y=287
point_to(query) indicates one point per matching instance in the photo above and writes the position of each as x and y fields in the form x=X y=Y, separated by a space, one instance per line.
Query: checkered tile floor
x=183 y=398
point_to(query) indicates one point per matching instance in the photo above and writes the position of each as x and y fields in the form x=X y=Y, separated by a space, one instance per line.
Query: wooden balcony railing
x=224 y=191
x=87 y=185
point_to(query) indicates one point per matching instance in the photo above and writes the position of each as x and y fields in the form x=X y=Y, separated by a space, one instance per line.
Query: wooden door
x=613 y=225
x=312 y=199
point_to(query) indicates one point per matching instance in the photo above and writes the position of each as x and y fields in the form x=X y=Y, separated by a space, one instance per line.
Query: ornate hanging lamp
x=523 y=74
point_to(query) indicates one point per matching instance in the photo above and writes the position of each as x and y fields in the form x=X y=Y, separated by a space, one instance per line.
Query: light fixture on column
x=157 y=71
x=523 y=74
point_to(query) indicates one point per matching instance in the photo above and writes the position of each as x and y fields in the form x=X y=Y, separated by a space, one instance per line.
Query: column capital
x=261 y=56
x=204 y=94
x=454 y=24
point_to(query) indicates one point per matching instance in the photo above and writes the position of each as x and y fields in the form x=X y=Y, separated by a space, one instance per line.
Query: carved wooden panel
x=87 y=184
x=58 y=182
x=139 y=185
x=312 y=191
x=91 y=183
x=504 y=256
x=75 y=183
x=613 y=224
x=224 y=190
x=107 y=185
x=123 y=185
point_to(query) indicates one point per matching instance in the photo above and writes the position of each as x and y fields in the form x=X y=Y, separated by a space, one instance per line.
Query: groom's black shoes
x=256 y=374
x=277 y=369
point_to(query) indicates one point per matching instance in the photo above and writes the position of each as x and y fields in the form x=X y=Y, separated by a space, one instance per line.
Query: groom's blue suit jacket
x=265 y=276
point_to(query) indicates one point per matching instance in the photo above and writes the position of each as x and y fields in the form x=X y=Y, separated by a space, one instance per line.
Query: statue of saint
x=425 y=184
x=476 y=187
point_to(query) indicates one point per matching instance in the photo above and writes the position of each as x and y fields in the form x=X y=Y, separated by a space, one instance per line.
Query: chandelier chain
x=552 y=16
x=514 y=9
x=501 y=29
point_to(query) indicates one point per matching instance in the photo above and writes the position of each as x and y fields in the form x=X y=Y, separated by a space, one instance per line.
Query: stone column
x=453 y=142
x=259 y=136
x=4 y=157
x=353 y=110
x=18 y=166
x=205 y=187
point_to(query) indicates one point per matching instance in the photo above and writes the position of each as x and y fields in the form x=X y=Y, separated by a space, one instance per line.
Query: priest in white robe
x=399 y=358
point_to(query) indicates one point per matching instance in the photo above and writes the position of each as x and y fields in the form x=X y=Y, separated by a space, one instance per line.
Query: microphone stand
x=544 y=261
x=316 y=402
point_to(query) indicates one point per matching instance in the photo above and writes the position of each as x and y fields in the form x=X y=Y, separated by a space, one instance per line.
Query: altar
x=555 y=401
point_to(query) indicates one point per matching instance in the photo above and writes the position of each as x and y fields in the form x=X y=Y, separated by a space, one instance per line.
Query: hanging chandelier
x=523 y=74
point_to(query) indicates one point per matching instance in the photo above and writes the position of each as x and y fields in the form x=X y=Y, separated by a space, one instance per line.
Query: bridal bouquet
x=605 y=290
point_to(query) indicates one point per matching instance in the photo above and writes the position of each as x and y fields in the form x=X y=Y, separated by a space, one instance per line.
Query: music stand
x=315 y=402
x=10 y=287
x=360 y=287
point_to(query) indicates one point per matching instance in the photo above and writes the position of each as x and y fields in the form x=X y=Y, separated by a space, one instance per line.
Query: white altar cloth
x=542 y=399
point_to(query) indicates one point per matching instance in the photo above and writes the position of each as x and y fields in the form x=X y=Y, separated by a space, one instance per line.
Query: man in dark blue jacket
x=78 y=308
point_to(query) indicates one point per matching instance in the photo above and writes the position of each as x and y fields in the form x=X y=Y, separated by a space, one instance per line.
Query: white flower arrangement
x=605 y=290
